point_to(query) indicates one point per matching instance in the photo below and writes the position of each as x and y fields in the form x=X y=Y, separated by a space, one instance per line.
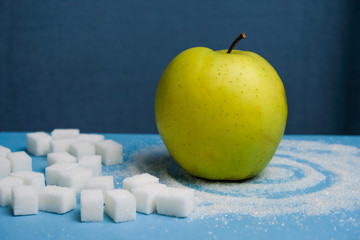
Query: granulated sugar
x=306 y=177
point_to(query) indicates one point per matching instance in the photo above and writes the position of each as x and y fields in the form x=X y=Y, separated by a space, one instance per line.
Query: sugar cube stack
x=75 y=178
x=34 y=179
x=120 y=205
x=139 y=180
x=91 y=205
x=111 y=152
x=177 y=202
x=6 y=185
x=4 y=151
x=24 y=200
x=52 y=172
x=61 y=144
x=38 y=143
x=80 y=149
x=4 y=167
x=65 y=133
x=57 y=157
x=57 y=199
x=145 y=197
x=93 y=163
x=75 y=166
x=103 y=183
x=19 y=161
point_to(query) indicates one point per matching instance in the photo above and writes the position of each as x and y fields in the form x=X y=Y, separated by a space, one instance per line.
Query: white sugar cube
x=57 y=157
x=103 y=183
x=120 y=205
x=19 y=161
x=145 y=197
x=52 y=172
x=75 y=178
x=91 y=138
x=139 y=180
x=6 y=185
x=93 y=163
x=65 y=133
x=178 y=202
x=80 y=149
x=4 y=151
x=38 y=143
x=61 y=145
x=34 y=179
x=24 y=200
x=111 y=152
x=91 y=205
x=57 y=199
x=4 y=167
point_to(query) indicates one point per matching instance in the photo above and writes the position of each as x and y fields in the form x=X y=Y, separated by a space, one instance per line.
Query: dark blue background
x=94 y=65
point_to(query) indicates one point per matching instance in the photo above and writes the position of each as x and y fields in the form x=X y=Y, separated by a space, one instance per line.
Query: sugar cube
x=76 y=178
x=145 y=197
x=138 y=180
x=178 y=202
x=19 y=161
x=91 y=205
x=24 y=200
x=4 y=167
x=103 y=183
x=4 y=151
x=61 y=145
x=34 y=179
x=38 y=143
x=91 y=138
x=6 y=185
x=56 y=157
x=52 y=172
x=93 y=163
x=57 y=199
x=111 y=152
x=120 y=205
x=65 y=133
x=80 y=149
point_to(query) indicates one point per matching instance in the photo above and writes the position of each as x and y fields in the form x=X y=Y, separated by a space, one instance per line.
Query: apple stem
x=241 y=36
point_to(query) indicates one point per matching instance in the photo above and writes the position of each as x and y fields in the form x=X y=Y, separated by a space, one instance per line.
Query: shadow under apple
x=157 y=161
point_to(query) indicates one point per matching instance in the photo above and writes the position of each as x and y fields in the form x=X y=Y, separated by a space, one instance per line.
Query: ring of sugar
x=306 y=177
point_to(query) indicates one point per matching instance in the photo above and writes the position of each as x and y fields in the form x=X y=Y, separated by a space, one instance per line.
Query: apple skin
x=221 y=116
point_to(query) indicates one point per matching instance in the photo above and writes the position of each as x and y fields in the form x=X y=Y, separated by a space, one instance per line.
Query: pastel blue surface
x=337 y=225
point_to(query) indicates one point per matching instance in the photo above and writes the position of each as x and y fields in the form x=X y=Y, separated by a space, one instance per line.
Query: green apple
x=221 y=114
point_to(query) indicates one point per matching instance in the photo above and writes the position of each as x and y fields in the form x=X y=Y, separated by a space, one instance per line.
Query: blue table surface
x=331 y=221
